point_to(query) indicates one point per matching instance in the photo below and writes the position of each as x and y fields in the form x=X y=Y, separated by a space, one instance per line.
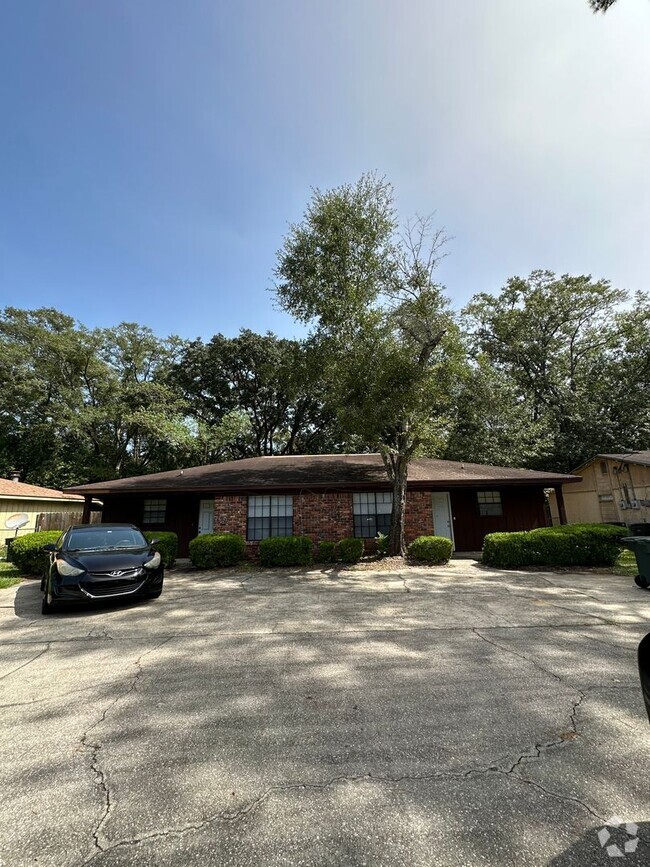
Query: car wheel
x=641 y=582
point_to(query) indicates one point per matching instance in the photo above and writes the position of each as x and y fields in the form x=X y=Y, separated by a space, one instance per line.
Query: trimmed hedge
x=431 y=549
x=326 y=552
x=566 y=545
x=213 y=550
x=166 y=544
x=286 y=551
x=26 y=554
x=351 y=550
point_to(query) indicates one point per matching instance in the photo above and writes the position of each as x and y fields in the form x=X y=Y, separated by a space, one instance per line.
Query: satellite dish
x=15 y=522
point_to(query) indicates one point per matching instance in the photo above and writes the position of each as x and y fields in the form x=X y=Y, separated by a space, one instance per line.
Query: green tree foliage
x=549 y=371
x=382 y=322
x=601 y=5
x=80 y=405
x=77 y=404
x=265 y=393
x=491 y=424
x=559 y=373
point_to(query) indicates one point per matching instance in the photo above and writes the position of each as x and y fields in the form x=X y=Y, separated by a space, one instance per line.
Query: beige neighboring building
x=17 y=498
x=614 y=488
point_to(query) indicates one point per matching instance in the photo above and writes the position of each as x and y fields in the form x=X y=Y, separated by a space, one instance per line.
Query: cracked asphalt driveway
x=450 y=716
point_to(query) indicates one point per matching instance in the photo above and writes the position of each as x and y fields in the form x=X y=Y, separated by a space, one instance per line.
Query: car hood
x=109 y=561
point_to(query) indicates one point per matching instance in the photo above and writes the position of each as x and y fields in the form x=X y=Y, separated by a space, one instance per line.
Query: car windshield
x=105 y=539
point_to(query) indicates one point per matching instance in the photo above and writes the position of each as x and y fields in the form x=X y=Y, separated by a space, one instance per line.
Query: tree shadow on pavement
x=589 y=852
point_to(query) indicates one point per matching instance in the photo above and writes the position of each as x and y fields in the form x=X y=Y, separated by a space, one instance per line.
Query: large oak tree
x=384 y=324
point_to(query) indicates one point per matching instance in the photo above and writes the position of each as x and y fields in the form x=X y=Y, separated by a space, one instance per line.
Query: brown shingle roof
x=21 y=491
x=317 y=471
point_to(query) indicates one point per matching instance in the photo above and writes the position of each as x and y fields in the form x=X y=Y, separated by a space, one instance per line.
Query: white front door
x=443 y=524
x=206 y=517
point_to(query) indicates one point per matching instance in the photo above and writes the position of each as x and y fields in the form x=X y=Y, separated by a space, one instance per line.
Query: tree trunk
x=397 y=466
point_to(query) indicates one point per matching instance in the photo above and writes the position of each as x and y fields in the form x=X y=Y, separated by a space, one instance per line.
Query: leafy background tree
x=569 y=366
x=544 y=373
x=388 y=332
x=601 y=5
x=79 y=404
x=273 y=387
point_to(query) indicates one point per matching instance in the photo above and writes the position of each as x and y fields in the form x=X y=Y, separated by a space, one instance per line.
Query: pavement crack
x=234 y=815
x=557 y=795
x=523 y=656
x=545 y=746
x=566 y=736
x=103 y=634
x=403 y=579
x=29 y=661
x=101 y=780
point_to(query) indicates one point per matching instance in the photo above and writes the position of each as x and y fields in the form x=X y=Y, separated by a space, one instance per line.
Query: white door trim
x=450 y=535
x=203 y=507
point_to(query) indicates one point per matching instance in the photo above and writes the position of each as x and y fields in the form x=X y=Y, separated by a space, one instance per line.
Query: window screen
x=372 y=514
x=154 y=511
x=269 y=516
x=489 y=503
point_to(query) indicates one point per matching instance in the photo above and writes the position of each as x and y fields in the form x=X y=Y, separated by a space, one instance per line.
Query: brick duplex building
x=329 y=497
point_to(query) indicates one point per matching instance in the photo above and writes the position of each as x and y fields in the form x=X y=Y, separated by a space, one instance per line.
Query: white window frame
x=490 y=504
x=371 y=513
x=269 y=516
x=154 y=511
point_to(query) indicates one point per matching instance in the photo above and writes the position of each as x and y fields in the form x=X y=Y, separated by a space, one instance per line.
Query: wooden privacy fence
x=62 y=520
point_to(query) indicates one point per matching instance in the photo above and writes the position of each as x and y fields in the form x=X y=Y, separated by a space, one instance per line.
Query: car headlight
x=154 y=563
x=67 y=570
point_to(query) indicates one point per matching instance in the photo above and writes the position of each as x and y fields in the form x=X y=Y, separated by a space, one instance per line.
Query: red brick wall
x=230 y=514
x=418 y=520
x=325 y=517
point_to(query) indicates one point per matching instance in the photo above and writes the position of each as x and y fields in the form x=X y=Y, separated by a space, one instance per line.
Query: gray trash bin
x=641 y=547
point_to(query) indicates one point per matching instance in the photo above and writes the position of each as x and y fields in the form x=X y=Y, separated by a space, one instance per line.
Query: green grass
x=8 y=575
x=626 y=564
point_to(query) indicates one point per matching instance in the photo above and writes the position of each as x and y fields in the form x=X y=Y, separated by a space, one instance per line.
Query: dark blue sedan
x=94 y=562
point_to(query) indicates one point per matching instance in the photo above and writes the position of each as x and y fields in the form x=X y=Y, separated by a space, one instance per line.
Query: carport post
x=559 y=497
x=85 y=518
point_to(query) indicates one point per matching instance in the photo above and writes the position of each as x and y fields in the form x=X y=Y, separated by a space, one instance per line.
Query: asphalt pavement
x=449 y=716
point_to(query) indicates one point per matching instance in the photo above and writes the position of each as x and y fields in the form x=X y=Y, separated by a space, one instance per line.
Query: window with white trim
x=154 y=511
x=372 y=514
x=489 y=503
x=269 y=516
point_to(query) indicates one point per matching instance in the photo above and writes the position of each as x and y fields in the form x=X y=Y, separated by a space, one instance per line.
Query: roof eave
x=415 y=484
x=71 y=499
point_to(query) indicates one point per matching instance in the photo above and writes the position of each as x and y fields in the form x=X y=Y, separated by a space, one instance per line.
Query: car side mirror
x=153 y=542
x=49 y=549
x=644 y=670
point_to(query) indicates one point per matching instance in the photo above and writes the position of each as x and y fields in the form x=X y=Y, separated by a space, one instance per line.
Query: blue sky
x=152 y=152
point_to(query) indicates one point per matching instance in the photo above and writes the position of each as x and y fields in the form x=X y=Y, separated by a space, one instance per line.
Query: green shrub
x=351 y=550
x=566 y=545
x=166 y=543
x=431 y=549
x=26 y=552
x=381 y=544
x=286 y=551
x=326 y=552
x=213 y=550
x=505 y=550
